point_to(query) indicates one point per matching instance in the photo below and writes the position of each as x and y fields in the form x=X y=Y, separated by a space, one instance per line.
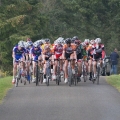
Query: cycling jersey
x=96 y=51
x=18 y=53
x=58 y=49
x=46 y=44
x=69 y=49
x=35 y=52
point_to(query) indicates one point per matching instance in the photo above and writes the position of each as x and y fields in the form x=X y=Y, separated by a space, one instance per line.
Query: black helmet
x=68 y=40
x=47 y=40
x=75 y=37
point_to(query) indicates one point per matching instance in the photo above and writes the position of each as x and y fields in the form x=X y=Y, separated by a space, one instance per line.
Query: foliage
x=5 y=85
x=114 y=80
x=53 y=18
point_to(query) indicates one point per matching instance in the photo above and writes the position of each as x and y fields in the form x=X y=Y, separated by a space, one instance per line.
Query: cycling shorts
x=57 y=56
x=35 y=58
x=17 y=57
x=67 y=55
x=79 y=56
x=97 y=57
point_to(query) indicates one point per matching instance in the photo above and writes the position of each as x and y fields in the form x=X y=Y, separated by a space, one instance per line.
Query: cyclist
x=17 y=54
x=28 y=46
x=90 y=56
x=57 y=50
x=96 y=54
x=46 y=43
x=69 y=51
x=35 y=54
x=46 y=54
x=79 y=50
x=85 y=55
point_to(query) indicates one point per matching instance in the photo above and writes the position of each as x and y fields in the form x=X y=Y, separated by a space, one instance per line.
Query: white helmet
x=92 y=41
x=35 y=44
x=60 y=39
x=98 y=40
x=83 y=44
x=87 y=41
x=21 y=43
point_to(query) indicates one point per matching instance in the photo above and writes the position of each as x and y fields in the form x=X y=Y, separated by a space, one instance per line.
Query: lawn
x=5 y=85
x=114 y=80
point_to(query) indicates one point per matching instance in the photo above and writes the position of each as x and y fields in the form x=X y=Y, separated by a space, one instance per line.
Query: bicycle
x=17 y=77
x=37 y=72
x=97 y=71
x=72 y=78
x=48 y=71
x=58 y=78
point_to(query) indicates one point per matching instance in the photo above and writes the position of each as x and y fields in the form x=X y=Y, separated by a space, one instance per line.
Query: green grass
x=114 y=80
x=5 y=85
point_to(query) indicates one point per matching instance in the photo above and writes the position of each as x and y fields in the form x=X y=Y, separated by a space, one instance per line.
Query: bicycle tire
x=37 y=76
x=70 y=76
x=47 y=80
x=16 y=82
x=98 y=75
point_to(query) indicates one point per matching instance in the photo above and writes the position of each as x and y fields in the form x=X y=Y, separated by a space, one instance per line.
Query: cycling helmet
x=75 y=37
x=60 y=39
x=83 y=44
x=68 y=40
x=36 y=44
x=47 y=40
x=30 y=43
x=39 y=42
x=21 y=43
x=92 y=42
x=25 y=45
x=98 y=40
x=87 y=41
x=77 y=42
x=59 y=42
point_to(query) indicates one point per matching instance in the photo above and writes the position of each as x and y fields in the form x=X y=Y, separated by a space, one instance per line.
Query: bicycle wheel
x=84 y=75
x=47 y=80
x=69 y=76
x=93 y=80
x=41 y=78
x=58 y=79
x=98 y=75
x=37 y=81
x=16 y=82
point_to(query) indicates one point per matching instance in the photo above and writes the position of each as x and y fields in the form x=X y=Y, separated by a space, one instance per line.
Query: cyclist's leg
x=34 y=68
x=14 y=71
x=90 y=70
x=67 y=56
x=72 y=56
x=54 y=66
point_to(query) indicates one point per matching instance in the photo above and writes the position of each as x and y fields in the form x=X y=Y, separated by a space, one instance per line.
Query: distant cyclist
x=35 y=54
x=69 y=52
x=17 y=54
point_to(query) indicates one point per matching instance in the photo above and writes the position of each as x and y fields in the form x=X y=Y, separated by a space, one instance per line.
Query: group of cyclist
x=42 y=50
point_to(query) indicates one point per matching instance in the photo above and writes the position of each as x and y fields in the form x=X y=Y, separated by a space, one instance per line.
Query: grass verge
x=5 y=85
x=114 y=80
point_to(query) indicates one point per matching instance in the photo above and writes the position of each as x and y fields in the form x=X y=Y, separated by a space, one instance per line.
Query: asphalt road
x=86 y=101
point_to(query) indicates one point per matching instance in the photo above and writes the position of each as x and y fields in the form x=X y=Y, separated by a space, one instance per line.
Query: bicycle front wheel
x=98 y=74
x=37 y=81
x=70 y=76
